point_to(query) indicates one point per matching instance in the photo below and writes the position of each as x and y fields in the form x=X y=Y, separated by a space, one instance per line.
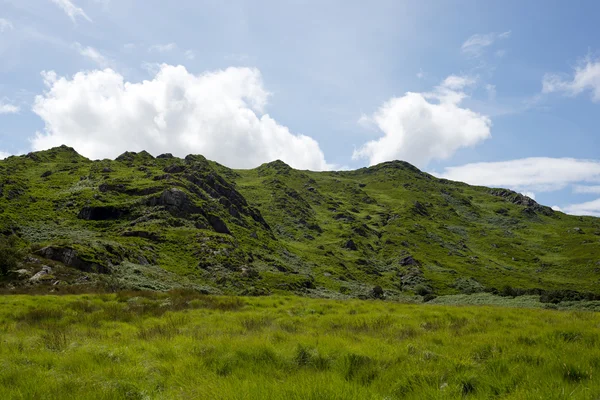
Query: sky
x=501 y=94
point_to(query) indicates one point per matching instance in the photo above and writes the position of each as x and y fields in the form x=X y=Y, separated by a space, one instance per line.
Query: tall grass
x=145 y=345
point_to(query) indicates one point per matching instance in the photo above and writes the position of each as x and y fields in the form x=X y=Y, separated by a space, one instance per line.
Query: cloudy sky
x=491 y=93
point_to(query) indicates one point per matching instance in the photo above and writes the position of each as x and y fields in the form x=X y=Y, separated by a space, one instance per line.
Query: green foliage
x=10 y=253
x=182 y=344
x=145 y=223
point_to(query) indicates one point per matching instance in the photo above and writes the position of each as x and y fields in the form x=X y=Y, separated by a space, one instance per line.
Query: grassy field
x=187 y=346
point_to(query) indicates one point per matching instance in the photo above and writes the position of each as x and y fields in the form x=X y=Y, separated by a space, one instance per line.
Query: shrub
x=423 y=290
x=10 y=254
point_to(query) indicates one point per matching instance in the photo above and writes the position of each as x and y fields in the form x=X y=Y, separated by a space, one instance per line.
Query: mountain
x=144 y=222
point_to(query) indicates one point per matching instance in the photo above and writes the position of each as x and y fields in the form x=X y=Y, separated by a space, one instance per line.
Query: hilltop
x=145 y=222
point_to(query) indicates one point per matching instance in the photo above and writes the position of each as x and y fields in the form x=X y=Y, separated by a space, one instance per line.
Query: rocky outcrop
x=174 y=169
x=102 y=213
x=218 y=188
x=517 y=198
x=71 y=258
x=176 y=202
x=44 y=272
x=218 y=225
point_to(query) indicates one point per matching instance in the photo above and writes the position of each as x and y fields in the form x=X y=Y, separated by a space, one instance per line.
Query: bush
x=423 y=290
x=10 y=254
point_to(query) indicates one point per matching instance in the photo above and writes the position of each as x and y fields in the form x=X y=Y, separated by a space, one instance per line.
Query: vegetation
x=10 y=254
x=388 y=231
x=150 y=345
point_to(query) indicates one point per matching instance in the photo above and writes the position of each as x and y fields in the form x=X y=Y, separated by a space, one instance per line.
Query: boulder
x=46 y=270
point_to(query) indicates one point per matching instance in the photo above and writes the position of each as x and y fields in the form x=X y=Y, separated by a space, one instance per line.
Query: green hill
x=385 y=231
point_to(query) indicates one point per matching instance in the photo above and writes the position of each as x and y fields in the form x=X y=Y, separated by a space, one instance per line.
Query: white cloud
x=5 y=25
x=190 y=55
x=218 y=114
x=557 y=208
x=531 y=195
x=3 y=155
x=540 y=174
x=475 y=45
x=420 y=127
x=588 y=208
x=586 y=189
x=71 y=9
x=457 y=82
x=93 y=55
x=8 y=108
x=585 y=77
x=163 y=48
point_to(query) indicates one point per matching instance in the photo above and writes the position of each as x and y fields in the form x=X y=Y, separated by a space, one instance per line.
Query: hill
x=144 y=222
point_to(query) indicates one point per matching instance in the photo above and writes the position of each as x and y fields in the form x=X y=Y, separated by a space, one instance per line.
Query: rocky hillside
x=163 y=222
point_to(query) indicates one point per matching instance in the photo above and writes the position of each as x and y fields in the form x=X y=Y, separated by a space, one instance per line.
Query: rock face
x=174 y=169
x=69 y=257
x=175 y=201
x=218 y=225
x=40 y=275
x=516 y=198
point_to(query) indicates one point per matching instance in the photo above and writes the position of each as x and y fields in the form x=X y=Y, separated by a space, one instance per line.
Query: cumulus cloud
x=92 y=54
x=589 y=208
x=585 y=77
x=71 y=9
x=3 y=155
x=8 y=108
x=218 y=114
x=163 y=48
x=5 y=25
x=420 y=127
x=475 y=44
x=539 y=174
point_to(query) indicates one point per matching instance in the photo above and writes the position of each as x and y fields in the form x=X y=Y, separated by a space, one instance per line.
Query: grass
x=289 y=229
x=181 y=345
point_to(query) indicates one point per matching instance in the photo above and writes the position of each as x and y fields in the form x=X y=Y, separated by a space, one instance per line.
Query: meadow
x=182 y=345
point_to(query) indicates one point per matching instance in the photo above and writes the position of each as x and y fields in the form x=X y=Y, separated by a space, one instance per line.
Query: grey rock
x=46 y=270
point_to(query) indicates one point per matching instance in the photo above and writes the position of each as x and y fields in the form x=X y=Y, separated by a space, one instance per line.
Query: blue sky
x=491 y=93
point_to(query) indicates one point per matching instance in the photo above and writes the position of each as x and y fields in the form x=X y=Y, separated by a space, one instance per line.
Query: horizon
x=499 y=95
x=267 y=163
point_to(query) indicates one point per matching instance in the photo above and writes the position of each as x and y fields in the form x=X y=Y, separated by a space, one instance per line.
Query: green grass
x=288 y=229
x=181 y=345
